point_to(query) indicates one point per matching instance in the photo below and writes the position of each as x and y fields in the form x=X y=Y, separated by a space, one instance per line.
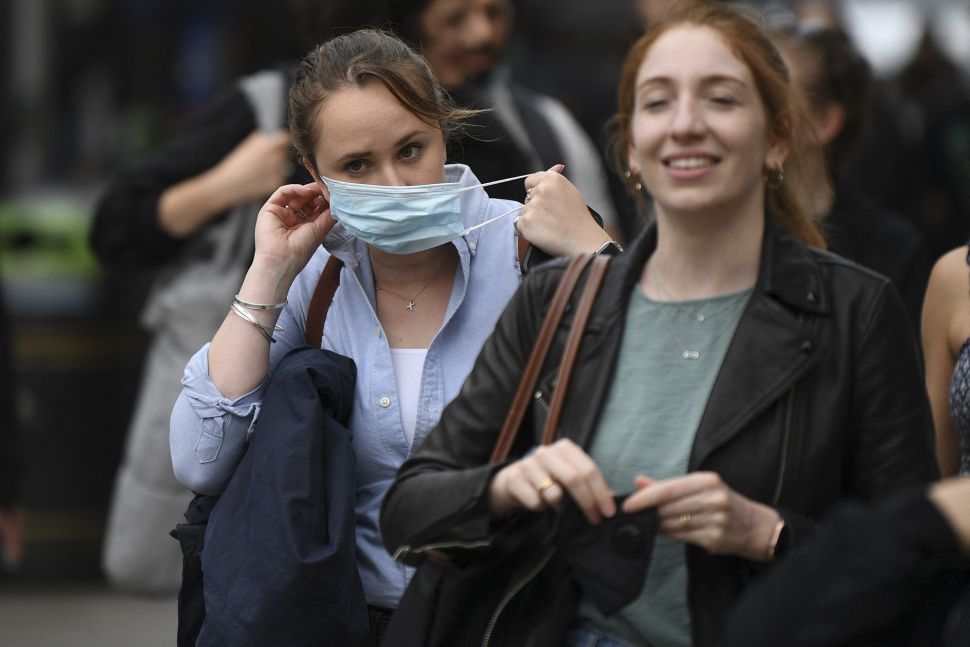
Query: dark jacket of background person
x=11 y=467
x=819 y=398
x=838 y=83
x=890 y=575
x=125 y=232
x=858 y=229
x=488 y=147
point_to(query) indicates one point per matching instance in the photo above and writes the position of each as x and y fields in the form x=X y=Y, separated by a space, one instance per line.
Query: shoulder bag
x=478 y=600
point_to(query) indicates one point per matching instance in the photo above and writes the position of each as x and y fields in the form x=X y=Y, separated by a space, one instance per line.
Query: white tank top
x=408 y=366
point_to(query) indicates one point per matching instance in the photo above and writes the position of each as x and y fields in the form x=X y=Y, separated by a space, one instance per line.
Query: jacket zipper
x=785 y=442
x=542 y=401
x=512 y=593
x=408 y=550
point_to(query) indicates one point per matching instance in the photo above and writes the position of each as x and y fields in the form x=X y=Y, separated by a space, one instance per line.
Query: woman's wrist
x=766 y=531
x=266 y=281
x=776 y=543
x=950 y=496
x=499 y=501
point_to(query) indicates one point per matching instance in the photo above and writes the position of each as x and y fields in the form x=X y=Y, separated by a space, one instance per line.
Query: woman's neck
x=405 y=270
x=703 y=256
x=819 y=194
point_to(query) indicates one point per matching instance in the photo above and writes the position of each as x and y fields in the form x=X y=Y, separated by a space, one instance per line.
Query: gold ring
x=685 y=520
x=545 y=485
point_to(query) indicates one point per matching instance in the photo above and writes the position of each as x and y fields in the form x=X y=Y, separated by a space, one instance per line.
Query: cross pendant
x=410 y=305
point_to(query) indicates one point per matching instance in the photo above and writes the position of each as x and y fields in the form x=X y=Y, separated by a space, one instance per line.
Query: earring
x=776 y=176
x=635 y=184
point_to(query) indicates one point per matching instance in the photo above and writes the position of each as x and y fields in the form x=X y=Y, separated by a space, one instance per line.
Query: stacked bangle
x=265 y=331
x=258 y=306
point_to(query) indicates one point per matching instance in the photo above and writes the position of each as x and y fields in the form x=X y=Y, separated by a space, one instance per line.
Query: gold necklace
x=411 y=301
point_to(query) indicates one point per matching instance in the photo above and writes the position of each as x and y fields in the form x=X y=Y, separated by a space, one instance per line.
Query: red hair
x=746 y=36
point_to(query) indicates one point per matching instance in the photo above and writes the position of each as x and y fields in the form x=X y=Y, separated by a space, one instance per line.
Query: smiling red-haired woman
x=734 y=376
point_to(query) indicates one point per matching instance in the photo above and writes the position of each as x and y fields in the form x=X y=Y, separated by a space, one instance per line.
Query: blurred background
x=91 y=84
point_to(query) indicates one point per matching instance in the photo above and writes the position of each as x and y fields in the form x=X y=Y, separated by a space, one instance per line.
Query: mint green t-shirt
x=669 y=357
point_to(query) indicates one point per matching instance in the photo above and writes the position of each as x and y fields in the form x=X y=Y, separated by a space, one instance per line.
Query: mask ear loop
x=501 y=215
x=491 y=220
x=485 y=184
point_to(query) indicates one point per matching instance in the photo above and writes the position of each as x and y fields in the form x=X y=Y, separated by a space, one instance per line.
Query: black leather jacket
x=819 y=398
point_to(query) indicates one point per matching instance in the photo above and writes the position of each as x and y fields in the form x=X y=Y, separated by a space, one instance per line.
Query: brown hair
x=834 y=72
x=746 y=36
x=356 y=59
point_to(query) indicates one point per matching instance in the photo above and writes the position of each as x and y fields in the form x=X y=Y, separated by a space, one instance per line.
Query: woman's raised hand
x=256 y=166
x=555 y=217
x=290 y=226
x=701 y=509
x=539 y=480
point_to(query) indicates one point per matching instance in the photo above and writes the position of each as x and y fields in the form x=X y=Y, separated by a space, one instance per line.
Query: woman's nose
x=389 y=176
x=687 y=120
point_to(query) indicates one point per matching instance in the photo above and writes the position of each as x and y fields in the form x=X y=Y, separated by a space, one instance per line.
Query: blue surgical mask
x=404 y=219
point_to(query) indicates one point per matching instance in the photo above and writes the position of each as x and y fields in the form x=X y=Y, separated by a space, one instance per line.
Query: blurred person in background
x=12 y=518
x=837 y=81
x=946 y=347
x=818 y=13
x=520 y=131
x=186 y=213
x=892 y=574
x=915 y=159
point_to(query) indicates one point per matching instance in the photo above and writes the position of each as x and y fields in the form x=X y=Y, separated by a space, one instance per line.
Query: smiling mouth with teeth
x=691 y=162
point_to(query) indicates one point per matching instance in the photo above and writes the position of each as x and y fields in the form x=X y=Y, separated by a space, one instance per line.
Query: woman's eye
x=411 y=151
x=655 y=103
x=723 y=100
x=355 y=166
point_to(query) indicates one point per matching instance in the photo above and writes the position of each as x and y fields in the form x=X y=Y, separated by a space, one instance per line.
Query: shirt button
x=472 y=246
x=385 y=402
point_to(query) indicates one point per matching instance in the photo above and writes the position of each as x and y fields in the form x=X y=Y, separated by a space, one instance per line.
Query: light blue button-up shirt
x=209 y=432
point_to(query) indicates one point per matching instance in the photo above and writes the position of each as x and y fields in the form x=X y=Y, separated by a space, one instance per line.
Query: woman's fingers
x=555 y=217
x=295 y=204
x=577 y=474
x=700 y=508
x=541 y=479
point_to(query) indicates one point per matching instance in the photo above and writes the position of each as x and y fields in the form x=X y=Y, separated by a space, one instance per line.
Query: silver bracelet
x=248 y=317
x=259 y=306
x=264 y=331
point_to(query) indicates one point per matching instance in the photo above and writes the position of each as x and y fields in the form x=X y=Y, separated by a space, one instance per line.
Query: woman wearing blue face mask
x=422 y=284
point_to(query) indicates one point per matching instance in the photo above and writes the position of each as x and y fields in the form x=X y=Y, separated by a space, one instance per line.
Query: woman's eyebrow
x=366 y=153
x=662 y=80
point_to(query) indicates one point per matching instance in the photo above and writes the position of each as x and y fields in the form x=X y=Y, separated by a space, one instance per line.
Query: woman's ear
x=779 y=145
x=776 y=156
x=829 y=122
x=312 y=170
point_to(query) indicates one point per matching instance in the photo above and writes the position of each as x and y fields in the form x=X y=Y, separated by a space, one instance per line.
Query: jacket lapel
x=774 y=346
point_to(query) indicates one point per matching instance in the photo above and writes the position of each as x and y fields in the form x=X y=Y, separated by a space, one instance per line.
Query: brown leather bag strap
x=596 y=274
x=522 y=247
x=320 y=302
x=523 y=394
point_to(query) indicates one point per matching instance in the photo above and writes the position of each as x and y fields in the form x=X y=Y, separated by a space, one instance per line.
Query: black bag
x=518 y=591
